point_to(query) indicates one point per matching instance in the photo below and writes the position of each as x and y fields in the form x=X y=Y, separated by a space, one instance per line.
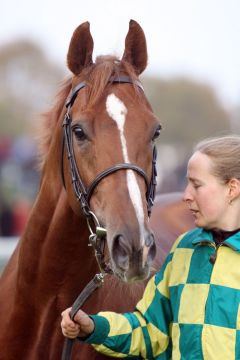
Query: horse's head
x=109 y=134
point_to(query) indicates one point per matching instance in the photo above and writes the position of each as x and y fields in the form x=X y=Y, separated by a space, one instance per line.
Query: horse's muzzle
x=129 y=263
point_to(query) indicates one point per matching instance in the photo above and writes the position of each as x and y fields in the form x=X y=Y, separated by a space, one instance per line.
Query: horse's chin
x=130 y=276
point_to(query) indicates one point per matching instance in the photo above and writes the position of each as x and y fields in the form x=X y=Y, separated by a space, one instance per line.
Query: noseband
x=82 y=193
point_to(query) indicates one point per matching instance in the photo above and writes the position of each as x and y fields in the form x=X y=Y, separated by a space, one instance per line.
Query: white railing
x=7 y=245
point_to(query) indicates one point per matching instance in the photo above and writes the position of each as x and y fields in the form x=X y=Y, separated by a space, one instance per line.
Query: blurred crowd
x=18 y=183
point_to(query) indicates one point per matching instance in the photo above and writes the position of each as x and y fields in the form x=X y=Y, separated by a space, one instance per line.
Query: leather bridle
x=82 y=193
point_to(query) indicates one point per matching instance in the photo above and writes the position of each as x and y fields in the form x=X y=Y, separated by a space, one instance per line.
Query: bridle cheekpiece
x=82 y=193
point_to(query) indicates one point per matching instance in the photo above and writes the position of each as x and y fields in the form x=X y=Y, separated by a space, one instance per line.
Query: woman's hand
x=82 y=325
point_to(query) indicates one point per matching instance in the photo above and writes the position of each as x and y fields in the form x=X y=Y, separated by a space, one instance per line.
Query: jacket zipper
x=213 y=257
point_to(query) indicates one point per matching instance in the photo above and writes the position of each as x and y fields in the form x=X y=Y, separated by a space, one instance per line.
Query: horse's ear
x=80 y=49
x=136 y=47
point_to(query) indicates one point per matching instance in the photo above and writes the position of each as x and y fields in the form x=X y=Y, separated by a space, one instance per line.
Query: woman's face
x=206 y=195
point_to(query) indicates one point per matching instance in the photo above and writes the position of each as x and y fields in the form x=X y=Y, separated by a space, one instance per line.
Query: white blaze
x=118 y=111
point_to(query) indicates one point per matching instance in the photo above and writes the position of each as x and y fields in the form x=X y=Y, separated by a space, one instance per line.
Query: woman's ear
x=234 y=189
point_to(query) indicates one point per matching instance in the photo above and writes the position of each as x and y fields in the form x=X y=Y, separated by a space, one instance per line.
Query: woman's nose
x=186 y=195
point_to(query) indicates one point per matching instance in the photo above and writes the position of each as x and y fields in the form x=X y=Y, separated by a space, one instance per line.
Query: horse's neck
x=54 y=248
x=49 y=268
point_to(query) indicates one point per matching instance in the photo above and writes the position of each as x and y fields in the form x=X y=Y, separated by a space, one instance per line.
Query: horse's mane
x=97 y=76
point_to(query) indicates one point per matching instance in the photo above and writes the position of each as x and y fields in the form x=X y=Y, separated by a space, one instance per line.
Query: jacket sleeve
x=143 y=333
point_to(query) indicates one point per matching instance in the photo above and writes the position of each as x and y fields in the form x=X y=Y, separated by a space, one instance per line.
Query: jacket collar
x=206 y=236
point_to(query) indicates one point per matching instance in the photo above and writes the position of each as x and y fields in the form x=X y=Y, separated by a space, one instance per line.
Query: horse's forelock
x=100 y=74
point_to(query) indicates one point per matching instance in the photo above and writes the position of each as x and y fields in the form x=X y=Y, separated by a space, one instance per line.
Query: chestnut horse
x=102 y=171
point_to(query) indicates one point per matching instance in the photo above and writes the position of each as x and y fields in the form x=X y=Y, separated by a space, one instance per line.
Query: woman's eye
x=196 y=186
x=79 y=133
x=157 y=132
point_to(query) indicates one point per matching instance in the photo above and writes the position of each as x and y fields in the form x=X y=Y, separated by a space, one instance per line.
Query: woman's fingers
x=69 y=328
x=81 y=326
x=85 y=322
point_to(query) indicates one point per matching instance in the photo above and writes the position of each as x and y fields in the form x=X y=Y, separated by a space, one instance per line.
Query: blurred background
x=192 y=80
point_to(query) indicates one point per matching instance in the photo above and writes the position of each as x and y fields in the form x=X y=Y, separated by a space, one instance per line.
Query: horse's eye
x=79 y=133
x=157 y=132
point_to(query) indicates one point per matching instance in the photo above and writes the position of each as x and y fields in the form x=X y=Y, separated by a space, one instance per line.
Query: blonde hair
x=224 y=152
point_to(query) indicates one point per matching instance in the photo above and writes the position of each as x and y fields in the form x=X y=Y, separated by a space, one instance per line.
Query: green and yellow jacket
x=189 y=311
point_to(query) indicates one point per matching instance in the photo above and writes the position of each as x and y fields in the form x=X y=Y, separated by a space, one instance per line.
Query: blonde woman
x=190 y=308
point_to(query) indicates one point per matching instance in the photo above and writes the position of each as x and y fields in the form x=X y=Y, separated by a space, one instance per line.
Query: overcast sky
x=195 y=38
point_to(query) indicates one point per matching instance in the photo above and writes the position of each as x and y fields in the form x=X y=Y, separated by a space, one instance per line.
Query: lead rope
x=95 y=240
x=95 y=283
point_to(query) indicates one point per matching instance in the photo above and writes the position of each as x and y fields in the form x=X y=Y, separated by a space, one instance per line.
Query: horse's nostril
x=149 y=240
x=120 y=252
x=152 y=251
x=150 y=244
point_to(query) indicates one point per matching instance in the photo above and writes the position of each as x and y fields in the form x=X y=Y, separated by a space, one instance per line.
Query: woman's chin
x=199 y=223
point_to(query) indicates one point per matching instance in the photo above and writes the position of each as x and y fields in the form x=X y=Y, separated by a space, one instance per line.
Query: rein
x=98 y=235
